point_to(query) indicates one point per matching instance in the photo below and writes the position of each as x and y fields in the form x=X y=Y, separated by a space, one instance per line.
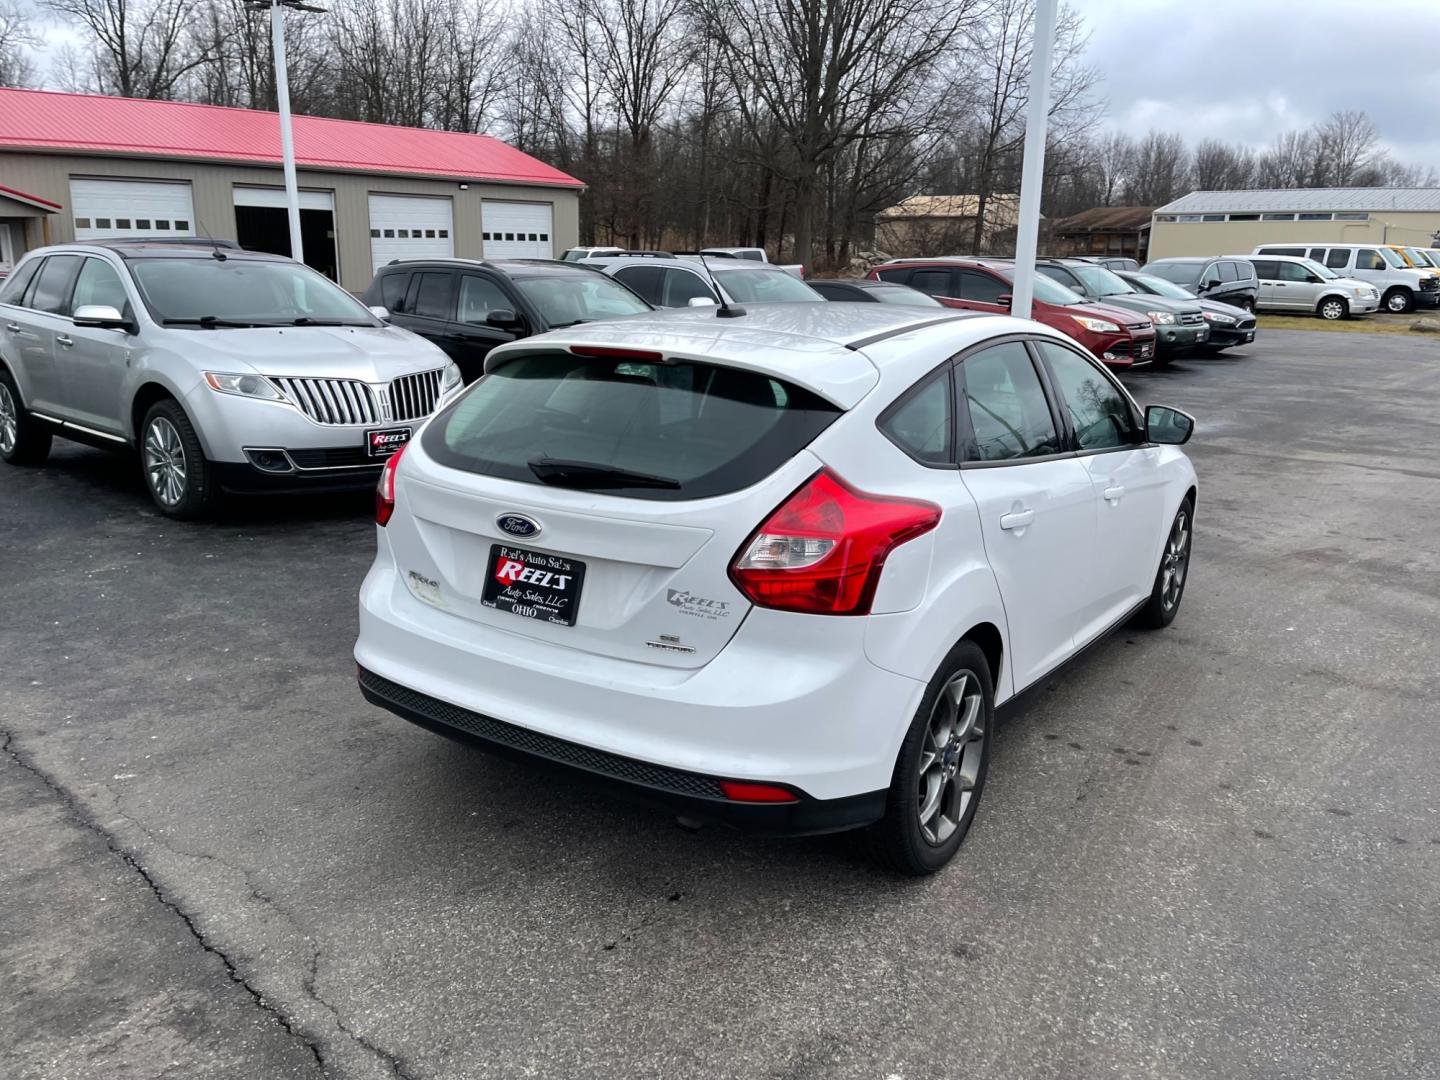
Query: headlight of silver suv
x=1161 y=318
x=251 y=386
x=451 y=380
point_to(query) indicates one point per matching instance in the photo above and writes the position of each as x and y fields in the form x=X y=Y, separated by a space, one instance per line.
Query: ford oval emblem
x=517 y=525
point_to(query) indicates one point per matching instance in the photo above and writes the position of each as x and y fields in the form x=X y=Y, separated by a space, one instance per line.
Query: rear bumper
x=675 y=791
x=792 y=700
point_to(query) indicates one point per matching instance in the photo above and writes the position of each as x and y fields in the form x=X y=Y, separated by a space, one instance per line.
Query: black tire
x=167 y=438
x=23 y=439
x=1399 y=301
x=1248 y=303
x=1165 y=595
x=900 y=841
x=1333 y=309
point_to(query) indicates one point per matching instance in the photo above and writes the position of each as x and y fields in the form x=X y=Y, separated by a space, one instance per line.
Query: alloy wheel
x=1176 y=562
x=9 y=421
x=1331 y=309
x=950 y=757
x=165 y=467
x=1397 y=303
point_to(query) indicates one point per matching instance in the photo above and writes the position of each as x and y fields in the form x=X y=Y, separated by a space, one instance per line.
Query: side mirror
x=503 y=319
x=1005 y=301
x=380 y=311
x=1168 y=426
x=102 y=316
x=700 y=301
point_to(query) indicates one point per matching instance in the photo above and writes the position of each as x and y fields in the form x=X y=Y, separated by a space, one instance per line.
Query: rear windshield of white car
x=631 y=427
x=248 y=292
x=764 y=286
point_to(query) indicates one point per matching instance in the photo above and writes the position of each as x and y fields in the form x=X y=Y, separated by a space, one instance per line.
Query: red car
x=1114 y=335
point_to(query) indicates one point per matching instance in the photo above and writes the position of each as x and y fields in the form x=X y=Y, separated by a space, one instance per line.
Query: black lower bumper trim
x=673 y=790
x=241 y=478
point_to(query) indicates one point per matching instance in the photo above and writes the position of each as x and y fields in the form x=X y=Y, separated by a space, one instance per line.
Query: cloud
x=1247 y=70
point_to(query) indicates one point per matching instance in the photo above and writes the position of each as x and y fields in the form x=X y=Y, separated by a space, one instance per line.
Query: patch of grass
x=1365 y=324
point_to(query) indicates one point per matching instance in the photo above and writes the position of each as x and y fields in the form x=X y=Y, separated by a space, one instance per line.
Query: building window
x=1315 y=217
x=162 y=223
x=1213 y=217
x=403 y=234
x=183 y=226
x=122 y=223
x=1277 y=217
x=1189 y=218
x=389 y=234
x=374 y=234
x=544 y=236
x=429 y=234
x=1352 y=217
x=444 y=233
x=82 y=223
x=142 y=223
x=1244 y=217
x=102 y=223
x=1168 y=218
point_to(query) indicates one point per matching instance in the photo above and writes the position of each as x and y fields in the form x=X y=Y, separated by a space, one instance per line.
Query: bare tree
x=1161 y=171
x=1219 y=166
x=828 y=74
x=141 y=48
x=17 y=37
x=1346 y=146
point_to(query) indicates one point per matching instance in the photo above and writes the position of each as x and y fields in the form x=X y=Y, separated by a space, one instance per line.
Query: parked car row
x=591 y=556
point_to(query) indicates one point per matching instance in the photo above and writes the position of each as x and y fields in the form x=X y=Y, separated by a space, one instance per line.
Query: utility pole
x=282 y=99
x=1027 y=233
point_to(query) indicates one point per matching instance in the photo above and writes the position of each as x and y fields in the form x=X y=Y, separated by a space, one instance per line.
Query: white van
x=1401 y=288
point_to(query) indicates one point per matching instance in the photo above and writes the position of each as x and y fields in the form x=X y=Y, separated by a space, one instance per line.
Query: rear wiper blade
x=591 y=474
x=211 y=321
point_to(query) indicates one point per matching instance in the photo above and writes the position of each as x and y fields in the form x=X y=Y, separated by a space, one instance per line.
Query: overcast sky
x=1244 y=70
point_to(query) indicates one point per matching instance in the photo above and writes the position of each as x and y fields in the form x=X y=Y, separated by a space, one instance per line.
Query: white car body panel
x=818 y=702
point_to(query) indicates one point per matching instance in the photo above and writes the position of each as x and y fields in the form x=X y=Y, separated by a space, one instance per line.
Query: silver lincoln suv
x=226 y=370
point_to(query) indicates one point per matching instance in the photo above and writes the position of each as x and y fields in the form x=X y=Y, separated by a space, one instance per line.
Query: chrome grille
x=412 y=397
x=1192 y=319
x=331 y=401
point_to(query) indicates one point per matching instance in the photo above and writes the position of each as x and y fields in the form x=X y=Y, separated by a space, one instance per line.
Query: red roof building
x=81 y=166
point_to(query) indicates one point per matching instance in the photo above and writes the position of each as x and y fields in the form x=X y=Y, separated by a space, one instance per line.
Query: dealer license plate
x=533 y=585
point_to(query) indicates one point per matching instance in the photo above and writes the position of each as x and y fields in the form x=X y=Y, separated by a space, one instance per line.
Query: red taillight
x=385 y=489
x=735 y=791
x=822 y=550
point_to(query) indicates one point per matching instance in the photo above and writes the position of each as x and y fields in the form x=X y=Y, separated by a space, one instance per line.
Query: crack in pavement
x=394 y=1063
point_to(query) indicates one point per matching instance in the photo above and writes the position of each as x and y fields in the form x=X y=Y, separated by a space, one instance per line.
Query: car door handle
x=1115 y=492
x=61 y=339
x=13 y=327
x=1018 y=520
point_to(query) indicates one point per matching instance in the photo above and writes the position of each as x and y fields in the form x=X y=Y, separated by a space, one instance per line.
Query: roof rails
x=167 y=241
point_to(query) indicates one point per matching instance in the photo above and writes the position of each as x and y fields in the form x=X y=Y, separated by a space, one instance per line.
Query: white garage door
x=275 y=198
x=104 y=208
x=516 y=230
x=409 y=227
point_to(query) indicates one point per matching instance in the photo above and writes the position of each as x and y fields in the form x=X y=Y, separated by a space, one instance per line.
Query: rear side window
x=1337 y=259
x=933 y=282
x=52 y=289
x=1300 y=251
x=1264 y=269
x=432 y=295
x=13 y=290
x=1009 y=417
x=392 y=291
x=920 y=423
x=646 y=281
x=661 y=431
x=901 y=275
x=1228 y=272
x=982 y=288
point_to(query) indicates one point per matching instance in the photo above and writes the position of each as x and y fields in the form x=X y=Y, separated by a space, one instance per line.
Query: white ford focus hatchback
x=777 y=568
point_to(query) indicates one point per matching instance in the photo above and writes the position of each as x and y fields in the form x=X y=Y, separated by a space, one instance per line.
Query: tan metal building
x=945 y=225
x=1235 y=222
x=75 y=166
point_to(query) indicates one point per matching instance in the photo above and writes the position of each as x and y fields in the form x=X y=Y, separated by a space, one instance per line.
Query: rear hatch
x=597 y=501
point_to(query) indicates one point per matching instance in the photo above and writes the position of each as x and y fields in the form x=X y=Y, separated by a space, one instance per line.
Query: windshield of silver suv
x=211 y=293
x=567 y=299
x=756 y=286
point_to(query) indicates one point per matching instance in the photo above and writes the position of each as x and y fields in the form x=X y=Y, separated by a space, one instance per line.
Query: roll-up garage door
x=410 y=227
x=516 y=230
x=106 y=208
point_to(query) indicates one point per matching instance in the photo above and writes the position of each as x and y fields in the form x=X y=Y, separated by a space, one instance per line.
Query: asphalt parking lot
x=1209 y=851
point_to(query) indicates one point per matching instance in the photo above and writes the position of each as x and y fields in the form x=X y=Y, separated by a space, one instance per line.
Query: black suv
x=468 y=307
x=1230 y=281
